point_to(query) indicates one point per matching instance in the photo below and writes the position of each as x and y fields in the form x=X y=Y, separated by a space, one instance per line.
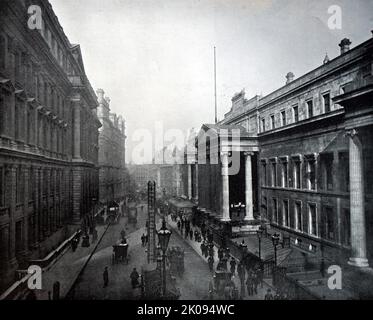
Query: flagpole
x=216 y=104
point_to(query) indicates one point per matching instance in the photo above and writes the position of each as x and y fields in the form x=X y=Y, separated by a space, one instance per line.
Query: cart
x=132 y=215
x=113 y=213
x=120 y=253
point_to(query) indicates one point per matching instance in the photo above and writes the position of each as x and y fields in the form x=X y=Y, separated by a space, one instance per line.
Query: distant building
x=48 y=138
x=142 y=174
x=112 y=141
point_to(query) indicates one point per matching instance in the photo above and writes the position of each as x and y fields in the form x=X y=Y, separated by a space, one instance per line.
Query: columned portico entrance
x=357 y=101
x=249 y=210
x=357 y=200
x=225 y=186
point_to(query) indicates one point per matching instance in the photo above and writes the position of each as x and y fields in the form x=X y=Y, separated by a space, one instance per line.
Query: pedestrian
x=212 y=287
x=123 y=234
x=249 y=285
x=143 y=240
x=233 y=266
x=268 y=295
x=74 y=244
x=203 y=248
x=211 y=263
x=211 y=250
x=196 y=235
x=134 y=278
x=255 y=282
x=179 y=225
x=105 y=276
x=95 y=235
x=322 y=268
x=220 y=253
x=261 y=275
x=206 y=253
x=191 y=234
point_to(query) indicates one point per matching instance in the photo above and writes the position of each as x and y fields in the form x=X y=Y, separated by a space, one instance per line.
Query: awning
x=181 y=203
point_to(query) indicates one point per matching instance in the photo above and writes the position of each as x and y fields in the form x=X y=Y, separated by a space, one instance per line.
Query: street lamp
x=259 y=233
x=164 y=236
x=275 y=241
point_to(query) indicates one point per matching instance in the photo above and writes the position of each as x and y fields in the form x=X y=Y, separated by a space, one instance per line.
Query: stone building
x=300 y=159
x=48 y=137
x=143 y=173
x=112 y=140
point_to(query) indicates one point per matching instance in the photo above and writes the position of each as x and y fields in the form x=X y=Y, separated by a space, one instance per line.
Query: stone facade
x=48 y=137
x=112 y=140
x=310 y=171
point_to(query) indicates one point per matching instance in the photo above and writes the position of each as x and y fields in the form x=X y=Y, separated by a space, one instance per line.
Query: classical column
x=249 y=214
x=189 y=181
x=357 y=198
x=196 y=182
x=76 y=130
x=225 y=186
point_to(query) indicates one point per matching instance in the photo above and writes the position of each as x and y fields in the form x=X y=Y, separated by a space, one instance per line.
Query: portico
x=232 y=151
x=357 y=102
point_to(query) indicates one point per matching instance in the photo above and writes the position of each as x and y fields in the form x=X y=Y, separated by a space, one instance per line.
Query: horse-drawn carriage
x=132 y=214
x=120 y=253
x=113 y=213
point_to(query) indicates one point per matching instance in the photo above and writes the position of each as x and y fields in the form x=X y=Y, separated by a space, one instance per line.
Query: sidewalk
x=67 y=267
x=196 y=247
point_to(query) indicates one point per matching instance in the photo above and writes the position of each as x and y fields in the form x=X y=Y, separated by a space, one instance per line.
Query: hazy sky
x=154 y=58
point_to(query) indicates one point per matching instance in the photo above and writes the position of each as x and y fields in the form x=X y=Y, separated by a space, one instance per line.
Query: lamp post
x=259 y=233
x=164 y=236
x=275 y=241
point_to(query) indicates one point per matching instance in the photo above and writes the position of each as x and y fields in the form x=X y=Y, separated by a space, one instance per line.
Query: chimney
x=100 y=93
x=345 y=45
x=326 y=59
x=289 y=77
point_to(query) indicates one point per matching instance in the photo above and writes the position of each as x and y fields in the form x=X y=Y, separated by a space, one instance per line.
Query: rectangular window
x=285 y=210
x=311 y=174
x=312 y=219
x=330 y=233
x=2 y=114
x=310 y=108
x=19 y=185
x=327 y=167
x=31 y=185
x=298 y=216
x=19 y=236
x=326 y=101
x=283 y=118
x=273 y=125
x=2 y=189
x=284 y=174
x=263 y=125
x=296 y=113
x=275 y=210
x=344 y=173
x=273 y=174
x=346 y=227
x=297 y=173
x=264 y=173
